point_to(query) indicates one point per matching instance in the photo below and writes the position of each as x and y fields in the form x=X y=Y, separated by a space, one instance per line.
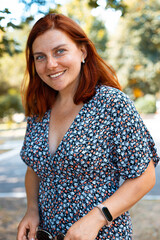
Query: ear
x=84 y=52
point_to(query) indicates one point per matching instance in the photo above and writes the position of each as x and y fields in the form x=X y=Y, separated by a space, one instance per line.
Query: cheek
x=73 y=63
x=39 y=68
x=72 y=59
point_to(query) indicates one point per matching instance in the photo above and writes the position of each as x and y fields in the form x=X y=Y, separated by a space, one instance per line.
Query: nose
x=51 y=62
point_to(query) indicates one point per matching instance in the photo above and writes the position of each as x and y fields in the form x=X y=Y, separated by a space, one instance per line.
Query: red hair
x=36 y=94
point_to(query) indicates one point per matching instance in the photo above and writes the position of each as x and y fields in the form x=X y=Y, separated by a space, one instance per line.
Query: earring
x=83 y=61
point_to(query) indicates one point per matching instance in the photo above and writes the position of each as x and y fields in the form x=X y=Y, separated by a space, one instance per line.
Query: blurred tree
x=10 y=104
x=7 y=45
x=135 y=49
x=99 y=36
x=11 y=71
x=114 y=4
x=12 y=67
x=94 y=28
x=11 y=46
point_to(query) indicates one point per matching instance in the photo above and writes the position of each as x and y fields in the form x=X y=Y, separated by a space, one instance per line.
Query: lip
x=56 y=75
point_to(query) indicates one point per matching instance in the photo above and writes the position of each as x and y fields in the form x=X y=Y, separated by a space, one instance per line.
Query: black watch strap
x=106 y=213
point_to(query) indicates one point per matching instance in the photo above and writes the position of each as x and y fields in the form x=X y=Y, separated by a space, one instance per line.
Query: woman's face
x=58 y=60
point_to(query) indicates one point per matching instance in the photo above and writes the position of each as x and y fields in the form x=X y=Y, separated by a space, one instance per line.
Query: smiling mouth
x=56 y=74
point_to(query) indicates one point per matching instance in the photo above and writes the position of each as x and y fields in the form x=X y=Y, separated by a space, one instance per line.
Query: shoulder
x=106 y=91
x=35 y=121
x=114 y=103
x=112 y=96
x=32 y=121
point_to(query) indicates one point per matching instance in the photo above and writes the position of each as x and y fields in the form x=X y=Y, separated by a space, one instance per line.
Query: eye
x=39 y=58
x=60 y=51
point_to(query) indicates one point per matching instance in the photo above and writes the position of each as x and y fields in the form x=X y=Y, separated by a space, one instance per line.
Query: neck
x=66 y=96
x=64 y=100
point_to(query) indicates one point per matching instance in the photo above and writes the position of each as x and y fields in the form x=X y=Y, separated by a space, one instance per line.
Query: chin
x=58 y=88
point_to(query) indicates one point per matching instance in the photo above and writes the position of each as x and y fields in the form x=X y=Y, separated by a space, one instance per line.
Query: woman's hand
x=30 y=221
x=28 y=224
x=87 y=227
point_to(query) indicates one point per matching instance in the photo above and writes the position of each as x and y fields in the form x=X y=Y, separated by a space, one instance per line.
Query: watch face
x=107 y=214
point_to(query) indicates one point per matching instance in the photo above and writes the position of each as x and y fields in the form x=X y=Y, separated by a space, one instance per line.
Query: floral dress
x=107 y=141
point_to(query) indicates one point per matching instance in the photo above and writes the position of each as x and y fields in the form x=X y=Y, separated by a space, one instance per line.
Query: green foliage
x=4 y=86
x=11 y=72
x=2 y=12
x=146 y=104
x=29 y=3
x=10 y=104
x=99 y=36
x=94 y=28
x=11 y=46
x=115 y=4
x=135 y=49
x=8 y=45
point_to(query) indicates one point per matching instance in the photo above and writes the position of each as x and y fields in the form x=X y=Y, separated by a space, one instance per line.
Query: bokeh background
x=127 y=36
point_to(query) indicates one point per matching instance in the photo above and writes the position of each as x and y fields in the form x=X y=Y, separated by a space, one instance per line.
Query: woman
x=83 y=134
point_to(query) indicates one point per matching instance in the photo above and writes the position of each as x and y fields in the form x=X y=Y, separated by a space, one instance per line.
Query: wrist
x=32 y=207
x=100 y=220
x=105 y=213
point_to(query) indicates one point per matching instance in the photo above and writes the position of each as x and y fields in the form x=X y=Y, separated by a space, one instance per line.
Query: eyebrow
x=61 y=45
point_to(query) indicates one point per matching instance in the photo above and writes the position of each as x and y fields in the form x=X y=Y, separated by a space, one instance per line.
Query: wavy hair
x=38 y=97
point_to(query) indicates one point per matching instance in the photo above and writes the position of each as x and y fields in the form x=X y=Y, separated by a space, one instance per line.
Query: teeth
x=56 y=75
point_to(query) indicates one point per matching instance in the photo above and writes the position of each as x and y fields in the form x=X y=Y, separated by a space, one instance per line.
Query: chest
x=60 y=122
x=84 y=145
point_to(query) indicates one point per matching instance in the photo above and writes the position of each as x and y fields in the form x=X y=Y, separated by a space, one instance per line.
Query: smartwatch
x=106 y=213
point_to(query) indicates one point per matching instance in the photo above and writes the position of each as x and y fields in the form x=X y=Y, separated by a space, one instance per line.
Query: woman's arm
x=122 y=200
x=131 y=191
x=31 y=218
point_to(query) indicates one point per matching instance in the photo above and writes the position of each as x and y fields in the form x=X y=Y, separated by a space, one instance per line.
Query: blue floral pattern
x=107 y=140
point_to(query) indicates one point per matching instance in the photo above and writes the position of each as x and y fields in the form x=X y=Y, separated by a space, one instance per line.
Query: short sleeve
x=133 y=146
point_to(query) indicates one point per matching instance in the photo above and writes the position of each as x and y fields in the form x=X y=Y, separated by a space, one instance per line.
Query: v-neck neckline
x=66 y=133
x=52 y=156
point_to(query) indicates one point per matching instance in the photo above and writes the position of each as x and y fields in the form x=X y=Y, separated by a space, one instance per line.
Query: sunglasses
x=44 y=235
